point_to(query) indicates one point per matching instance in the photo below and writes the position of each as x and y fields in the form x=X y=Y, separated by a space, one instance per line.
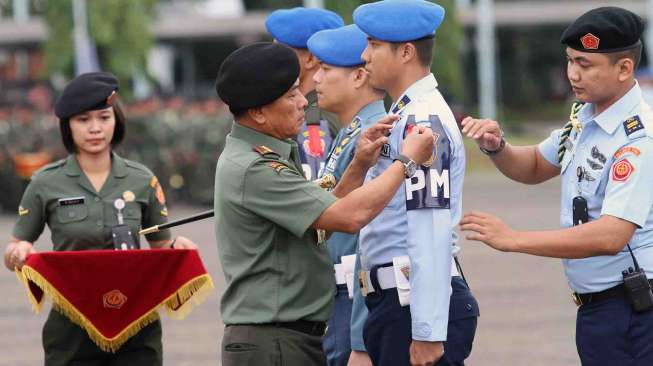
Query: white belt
x=340 y=274
x=386 y=278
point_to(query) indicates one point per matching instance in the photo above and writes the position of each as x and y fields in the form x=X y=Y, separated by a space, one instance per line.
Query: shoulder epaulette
x=138 y=166
x=50 y=166
x=632 y=125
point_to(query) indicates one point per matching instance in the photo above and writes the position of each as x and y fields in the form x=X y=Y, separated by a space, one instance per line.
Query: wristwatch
x=410 y=167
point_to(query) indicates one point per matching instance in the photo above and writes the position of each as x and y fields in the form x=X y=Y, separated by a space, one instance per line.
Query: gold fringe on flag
x=178 y=306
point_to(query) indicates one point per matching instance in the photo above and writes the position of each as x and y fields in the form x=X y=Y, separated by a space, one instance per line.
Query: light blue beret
x=399 y=20
x=293 y=27
x=341 y=47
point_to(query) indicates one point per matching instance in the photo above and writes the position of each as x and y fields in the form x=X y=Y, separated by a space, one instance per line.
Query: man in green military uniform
x=279 y=277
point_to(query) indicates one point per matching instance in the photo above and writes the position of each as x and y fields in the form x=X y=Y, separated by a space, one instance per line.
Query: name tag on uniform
x=385 y=150
x=71 y=201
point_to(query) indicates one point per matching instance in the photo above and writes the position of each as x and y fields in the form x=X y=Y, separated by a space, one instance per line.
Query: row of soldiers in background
x=180 y=140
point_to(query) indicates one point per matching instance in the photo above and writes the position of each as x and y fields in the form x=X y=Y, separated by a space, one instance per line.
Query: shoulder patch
x=632 y=125
x=627 y=150
x=277 y=166
x=264 y=150
x=622 y=170
x=160 y=196
x=22 y=211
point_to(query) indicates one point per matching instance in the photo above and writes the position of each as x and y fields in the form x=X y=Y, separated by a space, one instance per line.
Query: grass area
x=478 y=162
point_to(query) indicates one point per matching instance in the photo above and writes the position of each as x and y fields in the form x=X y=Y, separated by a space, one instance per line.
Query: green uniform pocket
x=73 y=213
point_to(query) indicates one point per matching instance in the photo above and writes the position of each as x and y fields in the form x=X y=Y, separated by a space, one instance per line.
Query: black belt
x=611 y=293
x=303 y=326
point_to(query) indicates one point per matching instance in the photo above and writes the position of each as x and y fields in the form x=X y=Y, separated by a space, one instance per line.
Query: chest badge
x=128 y=196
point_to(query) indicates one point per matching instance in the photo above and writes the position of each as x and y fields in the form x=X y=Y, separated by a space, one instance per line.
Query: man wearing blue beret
x=342 y=88
x=293 y=27
x=421 y=311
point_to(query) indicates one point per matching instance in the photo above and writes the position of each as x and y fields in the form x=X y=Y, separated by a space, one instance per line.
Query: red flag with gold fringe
x=114 y=294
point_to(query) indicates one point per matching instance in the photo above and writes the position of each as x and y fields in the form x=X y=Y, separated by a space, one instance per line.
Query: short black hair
x=118 y=132
x=423 y=47
x=634 y=53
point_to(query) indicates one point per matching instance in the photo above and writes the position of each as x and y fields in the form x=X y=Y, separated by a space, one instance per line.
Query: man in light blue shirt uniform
x=342 y=88
x=421 y=312
x=293 y=27
x=604 y=156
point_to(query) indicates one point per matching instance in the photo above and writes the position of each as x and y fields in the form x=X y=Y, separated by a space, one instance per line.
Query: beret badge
x=590 y=41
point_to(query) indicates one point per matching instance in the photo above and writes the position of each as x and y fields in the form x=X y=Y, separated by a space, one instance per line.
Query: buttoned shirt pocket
x=72 y=213
x=131 y=212
x=591 y=186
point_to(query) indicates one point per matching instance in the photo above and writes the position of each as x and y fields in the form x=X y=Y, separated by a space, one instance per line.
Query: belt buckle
x=577 y=300
x=326 y=328
x=362 y=279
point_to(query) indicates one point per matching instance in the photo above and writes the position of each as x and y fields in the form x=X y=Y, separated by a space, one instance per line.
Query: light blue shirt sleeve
x=358 y=312
x=429 y=249
x=628 y=194
x=429 y=242
x=549 y=147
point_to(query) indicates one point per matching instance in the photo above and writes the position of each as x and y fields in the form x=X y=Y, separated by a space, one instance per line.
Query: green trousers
x=66 y=344
x=256 y=345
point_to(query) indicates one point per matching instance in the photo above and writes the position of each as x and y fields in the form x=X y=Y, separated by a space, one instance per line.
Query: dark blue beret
x=295 y=26
x=341 y=47
x=604 y=30
x=256 y=75
x=87 y=92
x=399 y=20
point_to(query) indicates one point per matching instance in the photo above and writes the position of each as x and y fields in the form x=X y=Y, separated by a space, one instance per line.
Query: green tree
x=119 y=28
x=447 y=62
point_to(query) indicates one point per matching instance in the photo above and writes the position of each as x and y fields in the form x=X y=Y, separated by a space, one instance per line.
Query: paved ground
x=527 y=317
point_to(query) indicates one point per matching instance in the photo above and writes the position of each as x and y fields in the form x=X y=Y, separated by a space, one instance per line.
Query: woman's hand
x=182 y=242
x=16 y=254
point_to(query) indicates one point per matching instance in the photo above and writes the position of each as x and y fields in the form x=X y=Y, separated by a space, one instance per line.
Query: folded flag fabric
x=113 y=294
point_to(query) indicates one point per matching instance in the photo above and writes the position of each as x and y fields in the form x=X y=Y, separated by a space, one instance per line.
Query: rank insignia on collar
x=633 y=124
x=401 y=104
x=354 y=123
x=263 y=150
x=22 y=211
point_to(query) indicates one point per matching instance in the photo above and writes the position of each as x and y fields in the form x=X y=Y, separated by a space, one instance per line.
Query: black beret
x=256 y=75
x=604 y=30
x=87 y=92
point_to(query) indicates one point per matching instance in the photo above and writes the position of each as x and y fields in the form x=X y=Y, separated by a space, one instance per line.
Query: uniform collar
x=617 y=113
x=370 y=110
x=118 y=166
x=421 y=86
x=256 y=138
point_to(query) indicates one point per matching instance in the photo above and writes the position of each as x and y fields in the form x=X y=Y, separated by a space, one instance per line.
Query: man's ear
x=257 y=115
